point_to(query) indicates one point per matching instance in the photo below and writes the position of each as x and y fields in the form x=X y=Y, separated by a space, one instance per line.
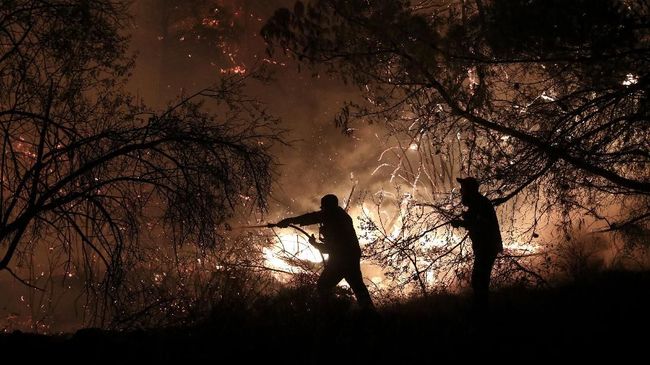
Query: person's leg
x=355 y=279
x=481 y=272
x=331 y=276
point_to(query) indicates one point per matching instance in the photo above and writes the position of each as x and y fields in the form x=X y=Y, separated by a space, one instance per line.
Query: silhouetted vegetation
x=550 y=112
x=545 y=101
x=98 y=180
x=600 y=317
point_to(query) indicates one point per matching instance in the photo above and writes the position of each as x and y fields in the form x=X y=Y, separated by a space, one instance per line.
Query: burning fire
x=239 y=70
x=292 y=254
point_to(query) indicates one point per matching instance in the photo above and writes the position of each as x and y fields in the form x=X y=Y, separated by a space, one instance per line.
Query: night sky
x=305 y=104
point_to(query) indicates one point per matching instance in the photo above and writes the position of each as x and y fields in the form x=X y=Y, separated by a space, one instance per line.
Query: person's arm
x=303 y=220
x=319 y=245
x=457 y=222
x=483 y=214
x=468 y=220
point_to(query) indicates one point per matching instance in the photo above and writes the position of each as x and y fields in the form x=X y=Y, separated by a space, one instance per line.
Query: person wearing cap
x=341 y=243
x=481 y=222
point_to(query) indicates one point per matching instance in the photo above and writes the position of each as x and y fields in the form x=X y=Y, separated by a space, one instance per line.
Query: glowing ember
x=210 y=23
x=239 y=70
x=630 y=79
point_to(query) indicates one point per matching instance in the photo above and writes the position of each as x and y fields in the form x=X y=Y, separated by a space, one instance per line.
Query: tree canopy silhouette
x=545 y=101
x=554 y=91
x=83 y=161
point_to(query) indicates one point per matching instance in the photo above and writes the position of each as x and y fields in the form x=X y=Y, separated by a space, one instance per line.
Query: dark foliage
x=86 y=169
x=603 y=317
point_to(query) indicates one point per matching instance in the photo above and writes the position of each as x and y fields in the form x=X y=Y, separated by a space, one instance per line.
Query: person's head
x=329 y=202
x=468 y=189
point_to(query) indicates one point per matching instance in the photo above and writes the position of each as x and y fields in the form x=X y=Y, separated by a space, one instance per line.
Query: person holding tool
x=340 y=242
x=481 y=222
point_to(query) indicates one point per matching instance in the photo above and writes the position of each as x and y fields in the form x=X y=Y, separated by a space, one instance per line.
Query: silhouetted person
x=341 y=243
x=481 y=222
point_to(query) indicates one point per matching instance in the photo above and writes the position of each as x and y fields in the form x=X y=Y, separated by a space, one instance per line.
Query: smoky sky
x=173 y=58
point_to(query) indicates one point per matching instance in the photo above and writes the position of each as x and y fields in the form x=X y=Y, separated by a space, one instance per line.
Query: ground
x=603 y=317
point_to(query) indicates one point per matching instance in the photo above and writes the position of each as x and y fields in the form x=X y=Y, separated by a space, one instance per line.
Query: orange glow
x=288 y=249
x=210 y=23
x=239 y=70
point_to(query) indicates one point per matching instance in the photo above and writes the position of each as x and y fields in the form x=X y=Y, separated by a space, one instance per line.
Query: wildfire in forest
x=291 y=253
x=122 y=181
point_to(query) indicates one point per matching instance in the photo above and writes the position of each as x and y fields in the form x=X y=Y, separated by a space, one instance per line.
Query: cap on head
x=329 y=201
x=469 y=184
